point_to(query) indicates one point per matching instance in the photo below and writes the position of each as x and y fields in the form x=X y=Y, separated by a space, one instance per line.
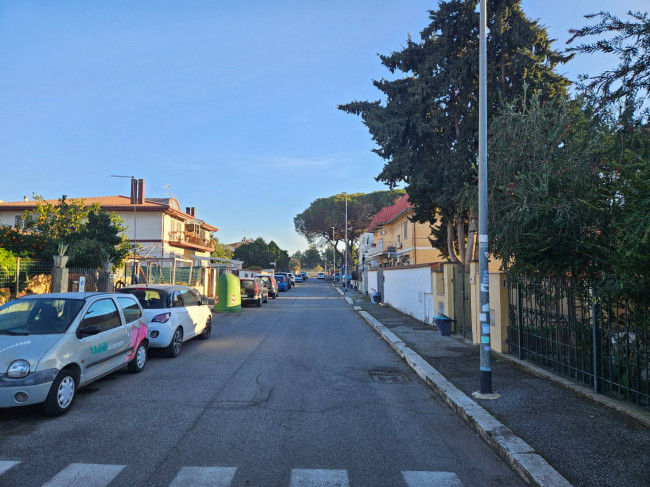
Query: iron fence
x=80 y=279
x=590 y=333
x=25 y=276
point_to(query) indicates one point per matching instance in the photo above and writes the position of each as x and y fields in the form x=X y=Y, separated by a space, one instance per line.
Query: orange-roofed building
x=398 y=241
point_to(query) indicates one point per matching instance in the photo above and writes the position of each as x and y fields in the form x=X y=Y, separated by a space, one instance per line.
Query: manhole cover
x=388 y=377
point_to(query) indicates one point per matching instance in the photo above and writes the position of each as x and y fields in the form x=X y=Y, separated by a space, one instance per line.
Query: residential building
x=398 y=241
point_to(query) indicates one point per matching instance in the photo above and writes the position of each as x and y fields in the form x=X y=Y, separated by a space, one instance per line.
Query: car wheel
x=174 y=347
x=137 y=364
x=258 y=303
x=207 y=331
x=62 y=394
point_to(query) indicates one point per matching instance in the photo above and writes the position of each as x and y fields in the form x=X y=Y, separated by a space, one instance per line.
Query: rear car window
x=149 y=298
x=247 y=284
x=279 y=278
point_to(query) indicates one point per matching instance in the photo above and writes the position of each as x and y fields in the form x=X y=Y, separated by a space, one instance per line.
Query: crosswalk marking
x=319 y=478
x=4 y=466
x=85 y=475
x=204 y=476
x=100 y=475
x=431 y=479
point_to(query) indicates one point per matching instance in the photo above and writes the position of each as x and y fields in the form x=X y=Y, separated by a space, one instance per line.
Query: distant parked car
x=174 y=314
x=321 y=275
x=290 y=284
x=254 y=291
x=53 y=344
x=298 y=278
x=292 y=277
x=304 y=275
x=271 y=284
x=283 y=284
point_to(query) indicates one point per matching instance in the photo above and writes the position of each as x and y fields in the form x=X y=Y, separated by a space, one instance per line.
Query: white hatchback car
x=174 y=314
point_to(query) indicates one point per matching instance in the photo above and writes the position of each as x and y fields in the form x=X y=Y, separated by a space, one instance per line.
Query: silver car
x=52 y=344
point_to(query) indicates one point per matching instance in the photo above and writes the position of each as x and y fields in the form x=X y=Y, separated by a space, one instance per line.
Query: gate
x=462 y=304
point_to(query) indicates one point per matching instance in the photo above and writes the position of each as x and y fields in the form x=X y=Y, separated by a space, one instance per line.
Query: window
x=190 y=298
x=103 y=314
x=130 y=309
x=406 y=230
x=19 y=222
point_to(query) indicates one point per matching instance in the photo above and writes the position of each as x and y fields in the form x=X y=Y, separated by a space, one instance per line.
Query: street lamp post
x=345 y=282
x=334 y=257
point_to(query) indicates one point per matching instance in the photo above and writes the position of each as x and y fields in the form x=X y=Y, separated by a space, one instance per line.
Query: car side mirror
x=203 y=301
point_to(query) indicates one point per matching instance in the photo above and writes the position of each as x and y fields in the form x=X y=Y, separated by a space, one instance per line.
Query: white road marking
x=85 y=475
x=319 y=478
x=204 y=476
x=431 y=479
x=4 y=466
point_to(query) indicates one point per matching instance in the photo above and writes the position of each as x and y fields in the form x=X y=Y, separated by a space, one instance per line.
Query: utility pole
x=345 y=282
x=334 y=260
x=484 y=276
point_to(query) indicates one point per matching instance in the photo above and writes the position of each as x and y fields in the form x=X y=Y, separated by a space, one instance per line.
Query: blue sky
x=228 y=106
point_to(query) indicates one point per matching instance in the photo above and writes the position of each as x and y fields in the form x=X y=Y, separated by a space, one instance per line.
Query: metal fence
x=85 y=280
x=580 y=330
x=25 y=276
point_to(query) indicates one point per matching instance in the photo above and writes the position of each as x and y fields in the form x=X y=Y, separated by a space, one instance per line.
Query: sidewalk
x=548 y=429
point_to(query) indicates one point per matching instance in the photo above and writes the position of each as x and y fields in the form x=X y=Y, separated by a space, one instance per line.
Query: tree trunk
x=460 y=229
x=450 y=241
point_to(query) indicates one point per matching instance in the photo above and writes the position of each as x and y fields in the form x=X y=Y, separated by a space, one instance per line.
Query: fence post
x=520 y=321
x=17 y=275
x=594 y=338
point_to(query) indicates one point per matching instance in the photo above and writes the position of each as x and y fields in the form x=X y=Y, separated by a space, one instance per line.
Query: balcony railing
x=382 y=248
x=191 y=239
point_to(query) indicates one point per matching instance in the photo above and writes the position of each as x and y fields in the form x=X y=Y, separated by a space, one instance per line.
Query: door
x=195 y=311
x=104 y=339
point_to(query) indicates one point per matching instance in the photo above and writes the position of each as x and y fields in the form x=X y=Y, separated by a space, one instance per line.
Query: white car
x=321 y=275
x=174 y=315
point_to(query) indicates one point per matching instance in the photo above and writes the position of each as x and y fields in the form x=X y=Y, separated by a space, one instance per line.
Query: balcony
x=382 y=249
x=191 y=240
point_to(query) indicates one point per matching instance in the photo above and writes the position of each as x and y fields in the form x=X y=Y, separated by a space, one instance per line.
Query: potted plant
x=61 y=259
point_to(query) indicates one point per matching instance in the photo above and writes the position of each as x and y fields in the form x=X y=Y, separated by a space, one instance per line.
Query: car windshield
x=149 y=298
x=38 y=316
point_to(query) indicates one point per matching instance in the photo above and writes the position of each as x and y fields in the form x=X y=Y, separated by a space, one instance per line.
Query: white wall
x=409 y=290
x=371 y=285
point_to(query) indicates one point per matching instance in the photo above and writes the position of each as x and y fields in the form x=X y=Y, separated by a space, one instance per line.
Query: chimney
x=192 y=211
x=187 y=210
x=140 y=191
x=25 y=198
x=134 y=191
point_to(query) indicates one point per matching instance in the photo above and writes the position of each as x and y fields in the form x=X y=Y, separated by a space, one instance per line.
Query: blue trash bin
x=443 y=322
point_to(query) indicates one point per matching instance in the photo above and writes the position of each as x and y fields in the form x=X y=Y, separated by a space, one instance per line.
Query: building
x=165 y=237
x=396 y=240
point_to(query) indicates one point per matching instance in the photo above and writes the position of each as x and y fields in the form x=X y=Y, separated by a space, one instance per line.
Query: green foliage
x=221 y=251
x=316 y=222
x=311 y=257
x=550 y=193
x=24 y=244
x=629 y=41
x=426 y=130
x=7 y=262
x=259 y=253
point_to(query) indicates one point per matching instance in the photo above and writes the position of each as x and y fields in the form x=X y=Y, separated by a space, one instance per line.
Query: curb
x=521 y=457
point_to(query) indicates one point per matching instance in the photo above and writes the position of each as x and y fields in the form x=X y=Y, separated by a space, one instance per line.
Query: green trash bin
x=228 y=297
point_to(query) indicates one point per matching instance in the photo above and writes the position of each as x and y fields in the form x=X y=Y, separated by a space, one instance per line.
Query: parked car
x=298 y=278
x=290 y=284
x=254 y=291
x=321 y=275
x=304 y=275
x=53 y=344
x=292 y=277
x=283 y=283
x=271 y=284
x=174 y=315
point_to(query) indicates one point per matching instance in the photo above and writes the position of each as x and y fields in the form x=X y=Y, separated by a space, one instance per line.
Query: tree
x=550 y=190
x=426 y=129
x=630 y=80
x=316 y=222
x=311 y=257
x=221 y=251
x=259 y=253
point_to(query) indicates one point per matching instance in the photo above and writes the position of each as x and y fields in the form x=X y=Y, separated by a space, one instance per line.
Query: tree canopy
x=426 y=128
x=260 y=254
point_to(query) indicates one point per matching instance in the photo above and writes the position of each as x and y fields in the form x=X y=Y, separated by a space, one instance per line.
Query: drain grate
x=388 y=377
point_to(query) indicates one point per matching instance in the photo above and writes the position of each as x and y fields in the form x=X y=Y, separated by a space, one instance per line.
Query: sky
x=230 y=107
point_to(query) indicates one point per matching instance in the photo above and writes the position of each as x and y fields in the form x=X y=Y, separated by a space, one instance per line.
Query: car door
x=104 y=339
x=195 y=311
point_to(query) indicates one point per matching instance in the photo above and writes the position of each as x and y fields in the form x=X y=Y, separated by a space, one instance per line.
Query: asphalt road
x=300 y=392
